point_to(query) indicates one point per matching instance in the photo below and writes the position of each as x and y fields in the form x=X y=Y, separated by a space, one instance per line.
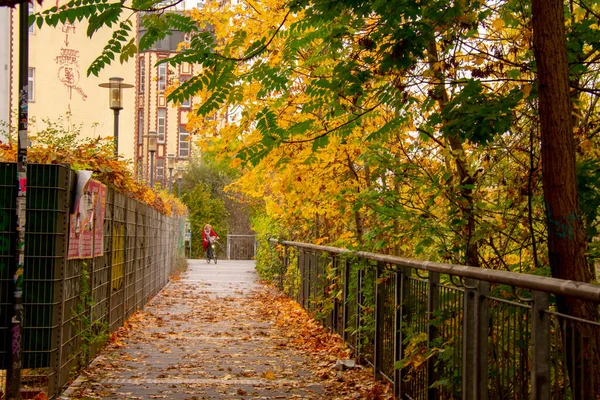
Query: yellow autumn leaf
x=498 y=23
x=526 y=90
x=586 y=145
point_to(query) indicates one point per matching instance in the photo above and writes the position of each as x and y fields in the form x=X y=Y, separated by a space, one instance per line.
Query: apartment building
x=4 y=65
x=58 y=84
x=58 y=81
x=154 y=114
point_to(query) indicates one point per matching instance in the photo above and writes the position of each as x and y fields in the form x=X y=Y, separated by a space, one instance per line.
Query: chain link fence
x=72 y=306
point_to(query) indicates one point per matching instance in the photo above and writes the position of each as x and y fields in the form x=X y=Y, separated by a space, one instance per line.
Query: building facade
x=58 y=81
x=155 y=114
x=4 y=65
x=59 y=86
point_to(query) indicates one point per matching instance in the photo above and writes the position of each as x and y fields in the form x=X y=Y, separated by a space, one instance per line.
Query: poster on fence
x=86 y=223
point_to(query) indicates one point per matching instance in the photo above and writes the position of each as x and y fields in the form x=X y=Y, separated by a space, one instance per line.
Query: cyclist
x=208 y=236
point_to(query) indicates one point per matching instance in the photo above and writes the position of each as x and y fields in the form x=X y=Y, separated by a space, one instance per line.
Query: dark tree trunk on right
x=566 y=235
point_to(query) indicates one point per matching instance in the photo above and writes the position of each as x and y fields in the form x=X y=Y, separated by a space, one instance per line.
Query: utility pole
x=14 y=368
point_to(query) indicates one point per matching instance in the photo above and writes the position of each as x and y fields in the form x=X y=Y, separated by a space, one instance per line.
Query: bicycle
x=211 y=251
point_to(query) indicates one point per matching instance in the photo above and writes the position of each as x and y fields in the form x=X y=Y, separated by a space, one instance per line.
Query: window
x=160 y=170
x=162 y=77
x=183 y=79
x=31 y=11
x=31 y=84
x=163 y=44
x=142 y=75
x=140 y=172
x=140 y=126
x=184 y=143
x=161 y=124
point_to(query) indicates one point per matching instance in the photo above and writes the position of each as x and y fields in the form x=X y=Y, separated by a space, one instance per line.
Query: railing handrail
x=580 y=290
x=241 y=235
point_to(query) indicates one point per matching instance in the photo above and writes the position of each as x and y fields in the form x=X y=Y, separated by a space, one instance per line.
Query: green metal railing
x=71 y=306
x=442 y=331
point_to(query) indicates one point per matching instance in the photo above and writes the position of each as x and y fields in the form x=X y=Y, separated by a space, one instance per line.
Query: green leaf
x=320 y=142
x=513 y=73
x=478 y=115
x=128 y=51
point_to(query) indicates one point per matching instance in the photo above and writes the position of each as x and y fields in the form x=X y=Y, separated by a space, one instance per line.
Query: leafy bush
x=61 y=143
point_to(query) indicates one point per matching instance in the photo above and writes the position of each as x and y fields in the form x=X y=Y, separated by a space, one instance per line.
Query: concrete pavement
x=202 y=337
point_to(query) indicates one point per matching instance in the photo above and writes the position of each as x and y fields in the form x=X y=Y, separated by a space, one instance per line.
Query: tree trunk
x=566 y=236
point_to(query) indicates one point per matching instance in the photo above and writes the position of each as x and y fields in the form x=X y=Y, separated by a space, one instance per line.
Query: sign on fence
x=86 y=224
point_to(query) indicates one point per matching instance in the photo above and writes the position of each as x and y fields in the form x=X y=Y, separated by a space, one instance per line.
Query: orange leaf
x=269 y=375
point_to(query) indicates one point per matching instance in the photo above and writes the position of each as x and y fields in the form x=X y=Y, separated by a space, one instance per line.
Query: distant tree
x=216 y=175
x=205 y=209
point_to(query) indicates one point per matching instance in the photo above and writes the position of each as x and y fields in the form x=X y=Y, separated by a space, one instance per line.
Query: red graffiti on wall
x=68 y=61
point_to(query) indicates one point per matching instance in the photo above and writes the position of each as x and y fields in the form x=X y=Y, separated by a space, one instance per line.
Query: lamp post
x=115 y=103
x=152 y=147
x=179 y=176
x=171 y=164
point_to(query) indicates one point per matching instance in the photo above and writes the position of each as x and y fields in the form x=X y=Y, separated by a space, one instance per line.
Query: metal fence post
x=540 y=327
x=468 y=362
x=400 y=297
x=345 y=292
x=332 y=294
x=125 y=258
x=307 y=277
x=284 y=263
x=134 y=256
x=377 y=353
x=319 y=280
x=359 y=302
x=475 y=333
x=302 y=277
x=433 y=302
x=482 y=323
x=307 y=282
x=109 y=252
x=56 y=379
x=229 y=247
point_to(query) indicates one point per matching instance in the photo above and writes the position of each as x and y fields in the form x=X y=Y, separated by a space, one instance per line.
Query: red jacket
x=205 y=239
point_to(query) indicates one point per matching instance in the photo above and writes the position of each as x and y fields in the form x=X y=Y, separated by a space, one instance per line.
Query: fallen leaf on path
x=269 y=375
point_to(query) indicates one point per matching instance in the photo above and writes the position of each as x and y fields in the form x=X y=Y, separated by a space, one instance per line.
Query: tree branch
x=327 y=132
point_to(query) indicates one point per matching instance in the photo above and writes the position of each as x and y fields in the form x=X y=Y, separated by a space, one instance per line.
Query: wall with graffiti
x=58 y=60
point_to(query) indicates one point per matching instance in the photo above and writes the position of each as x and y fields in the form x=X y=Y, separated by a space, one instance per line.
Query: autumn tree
x=400 y=126
x=455 y=71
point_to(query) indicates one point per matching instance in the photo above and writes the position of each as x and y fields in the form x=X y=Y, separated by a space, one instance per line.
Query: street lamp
x=171 y=164
x=152 y=147
x=179 y=176
x=115 y=103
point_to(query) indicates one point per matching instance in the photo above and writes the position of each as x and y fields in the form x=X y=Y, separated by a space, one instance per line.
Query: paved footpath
x=202 y=337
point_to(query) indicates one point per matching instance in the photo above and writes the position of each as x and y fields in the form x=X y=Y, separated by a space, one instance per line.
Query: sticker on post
x=22 y=176
x=23 y=138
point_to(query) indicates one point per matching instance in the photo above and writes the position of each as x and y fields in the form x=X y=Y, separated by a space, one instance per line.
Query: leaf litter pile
x=190 y=344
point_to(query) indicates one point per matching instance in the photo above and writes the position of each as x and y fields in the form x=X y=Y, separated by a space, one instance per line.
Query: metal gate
x=241 y=247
